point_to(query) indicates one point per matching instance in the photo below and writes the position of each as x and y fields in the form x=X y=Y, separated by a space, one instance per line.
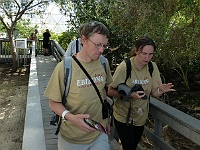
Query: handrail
x=6 y=54
x=179 y=121
x=57 y=51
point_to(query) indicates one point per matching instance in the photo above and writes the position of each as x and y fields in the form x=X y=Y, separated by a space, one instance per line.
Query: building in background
x=50 y=19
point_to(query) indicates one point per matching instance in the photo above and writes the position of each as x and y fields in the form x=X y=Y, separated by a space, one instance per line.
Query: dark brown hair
x=140 y=43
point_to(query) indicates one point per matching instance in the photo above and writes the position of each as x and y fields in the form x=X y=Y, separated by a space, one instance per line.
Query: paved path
x=45 y=66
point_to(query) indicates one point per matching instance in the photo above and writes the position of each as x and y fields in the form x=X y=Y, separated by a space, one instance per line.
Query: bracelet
x=64 y=113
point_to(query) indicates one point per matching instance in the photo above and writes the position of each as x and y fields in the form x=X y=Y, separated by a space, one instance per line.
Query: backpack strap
x=77 y=47
x=68 y=74
x=103 y=62
x=128 y=69
x=67 y=78
x=150 y=65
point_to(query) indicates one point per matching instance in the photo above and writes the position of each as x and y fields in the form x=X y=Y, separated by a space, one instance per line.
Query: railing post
x=157 y=131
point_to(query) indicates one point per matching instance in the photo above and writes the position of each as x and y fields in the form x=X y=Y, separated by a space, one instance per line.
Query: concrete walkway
x=32 y=140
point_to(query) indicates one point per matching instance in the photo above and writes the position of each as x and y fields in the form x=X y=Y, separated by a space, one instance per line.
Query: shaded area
x=13 y=92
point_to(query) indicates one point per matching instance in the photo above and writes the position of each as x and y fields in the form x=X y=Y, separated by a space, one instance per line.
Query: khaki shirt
x=141 y=77
x=82 y=97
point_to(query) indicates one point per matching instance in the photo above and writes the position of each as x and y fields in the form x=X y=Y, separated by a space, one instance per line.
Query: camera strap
x=128 y=116
x=89 y=77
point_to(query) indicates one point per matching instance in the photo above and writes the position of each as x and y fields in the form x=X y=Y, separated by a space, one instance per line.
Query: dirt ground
x=13 y=93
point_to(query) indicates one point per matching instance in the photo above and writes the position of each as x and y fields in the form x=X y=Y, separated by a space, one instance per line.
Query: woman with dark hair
x=130 y=115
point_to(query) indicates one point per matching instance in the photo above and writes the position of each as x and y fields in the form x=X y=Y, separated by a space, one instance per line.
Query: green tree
x=66 y=37
x=24 y=27
x=173 y=24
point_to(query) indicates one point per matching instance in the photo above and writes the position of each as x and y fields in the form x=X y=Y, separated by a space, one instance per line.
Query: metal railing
x=6 y=55
x=179 y=121
x=57 y=51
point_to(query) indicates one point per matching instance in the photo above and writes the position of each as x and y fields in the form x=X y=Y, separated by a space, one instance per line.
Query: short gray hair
x=88 y=29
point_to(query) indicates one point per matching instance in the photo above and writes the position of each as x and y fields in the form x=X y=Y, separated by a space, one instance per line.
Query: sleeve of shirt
x=55 y=87
x=119 y=75
x=109 y=78
x=155 y=76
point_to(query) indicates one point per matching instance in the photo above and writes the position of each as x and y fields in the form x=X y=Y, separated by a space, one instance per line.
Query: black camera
x=125 y=91
x=106 y=109
x=138 y=87
x=54 y=119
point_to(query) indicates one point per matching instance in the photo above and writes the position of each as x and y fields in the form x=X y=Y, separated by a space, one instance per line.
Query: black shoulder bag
x=106 y=108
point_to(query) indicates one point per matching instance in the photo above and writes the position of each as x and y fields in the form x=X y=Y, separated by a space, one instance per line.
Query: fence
x=6 y=54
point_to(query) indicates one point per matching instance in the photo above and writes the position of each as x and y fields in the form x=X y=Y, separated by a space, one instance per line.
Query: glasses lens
x=98 y=46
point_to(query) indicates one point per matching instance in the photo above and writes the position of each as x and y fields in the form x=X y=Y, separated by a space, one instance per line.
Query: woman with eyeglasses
x=82 y=101
x=132 y=92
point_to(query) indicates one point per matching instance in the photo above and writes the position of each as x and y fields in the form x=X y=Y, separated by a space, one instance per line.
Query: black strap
x=128 y=115
x=89 y=77
x=128 y=69
x=77 y=46
x=150 y=65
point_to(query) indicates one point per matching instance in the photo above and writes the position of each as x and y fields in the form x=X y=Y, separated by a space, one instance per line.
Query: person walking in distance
x=46 y=42
x=82 y=101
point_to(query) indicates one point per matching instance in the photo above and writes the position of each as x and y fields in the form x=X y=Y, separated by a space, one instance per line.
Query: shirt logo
x=98 y=79
x=141 y=82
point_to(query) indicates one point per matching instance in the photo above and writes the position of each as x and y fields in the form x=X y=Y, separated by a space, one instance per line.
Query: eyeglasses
x=98 y=46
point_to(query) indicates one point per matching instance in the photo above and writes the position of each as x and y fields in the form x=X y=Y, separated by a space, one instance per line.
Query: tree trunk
x=15 y=59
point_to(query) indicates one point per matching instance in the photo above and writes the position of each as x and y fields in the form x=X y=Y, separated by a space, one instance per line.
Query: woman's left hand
x=164 y=88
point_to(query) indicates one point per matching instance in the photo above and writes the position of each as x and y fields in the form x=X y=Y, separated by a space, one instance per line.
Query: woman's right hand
x=138 y=95
x=78 y=121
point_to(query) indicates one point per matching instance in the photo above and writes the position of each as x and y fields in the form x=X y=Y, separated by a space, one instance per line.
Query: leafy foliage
x=173 y=24
x=66 y=37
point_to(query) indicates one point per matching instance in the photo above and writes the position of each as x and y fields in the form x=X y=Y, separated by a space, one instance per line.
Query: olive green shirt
x=82 y=97
x=141 y=77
